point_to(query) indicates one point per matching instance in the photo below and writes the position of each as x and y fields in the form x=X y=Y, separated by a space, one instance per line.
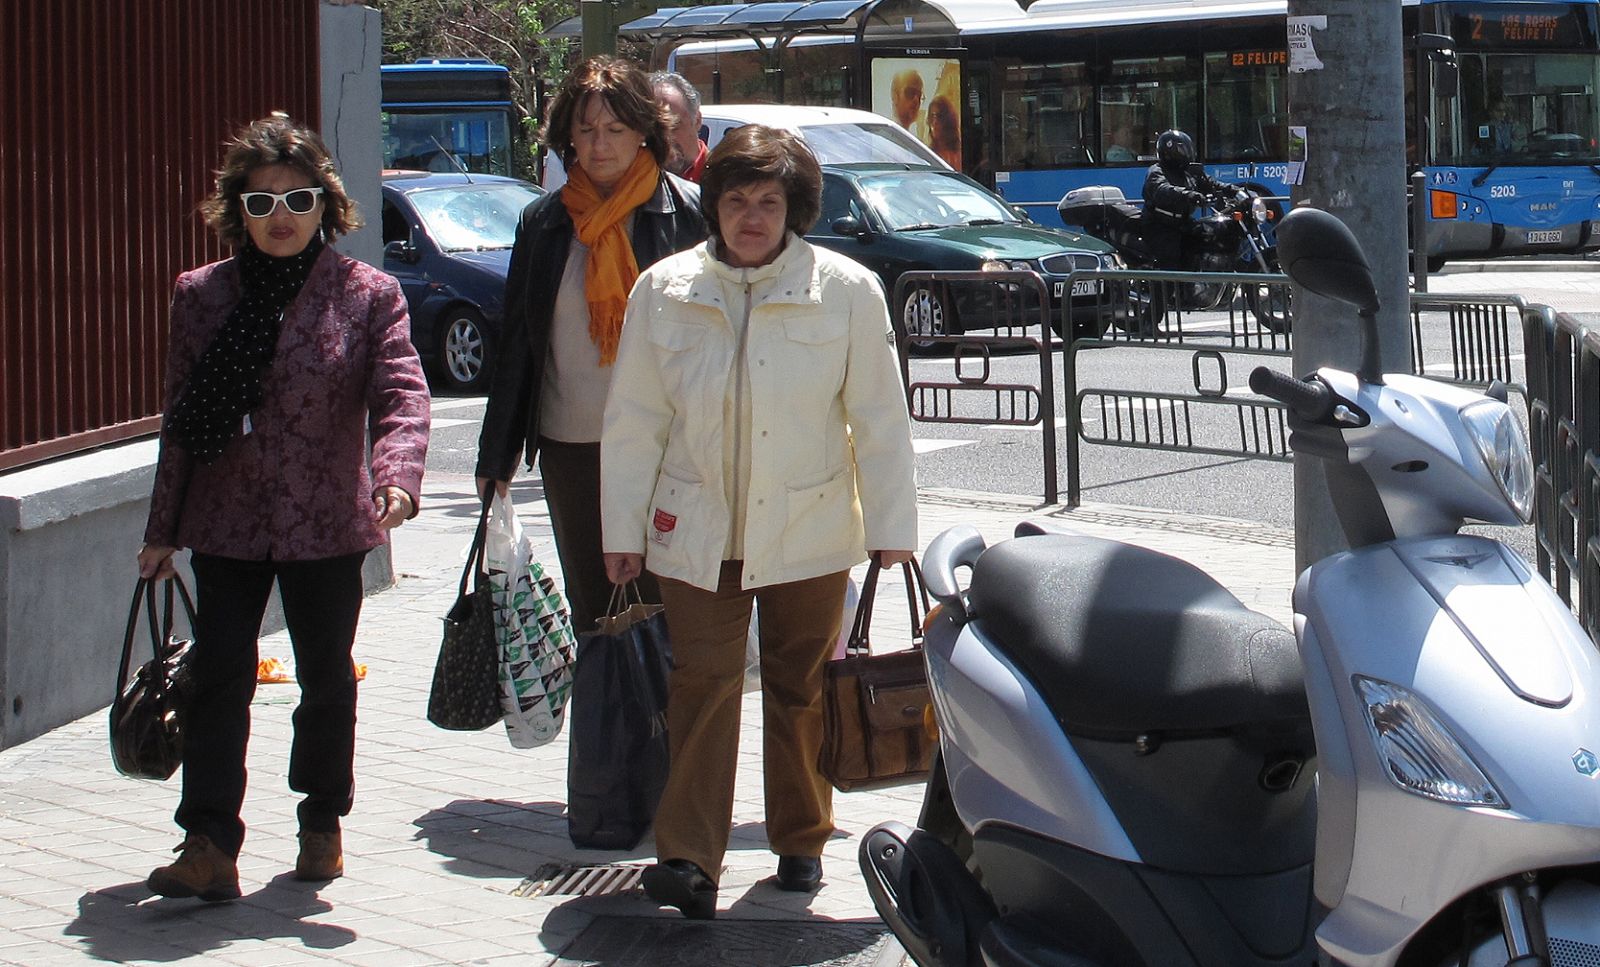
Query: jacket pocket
x=821 y=518
x=815 y=331
x=676 y=516
x=677 y=355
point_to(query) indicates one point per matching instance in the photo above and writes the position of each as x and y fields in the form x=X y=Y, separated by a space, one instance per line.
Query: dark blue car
x=447 y=238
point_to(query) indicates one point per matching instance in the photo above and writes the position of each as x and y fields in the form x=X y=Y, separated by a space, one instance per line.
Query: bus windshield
x=1519 y=108
x=480 y=140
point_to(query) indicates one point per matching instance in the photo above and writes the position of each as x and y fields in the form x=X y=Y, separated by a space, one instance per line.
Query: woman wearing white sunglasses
x=280 y=358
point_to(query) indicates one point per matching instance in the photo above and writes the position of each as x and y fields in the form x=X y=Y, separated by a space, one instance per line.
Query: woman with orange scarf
x=578 y=251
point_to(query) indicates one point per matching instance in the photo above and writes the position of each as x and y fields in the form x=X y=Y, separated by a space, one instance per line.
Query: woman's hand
x=622 y=568
x=892 y=558
x=501 y=487
x=393 y=506
x=155 y=562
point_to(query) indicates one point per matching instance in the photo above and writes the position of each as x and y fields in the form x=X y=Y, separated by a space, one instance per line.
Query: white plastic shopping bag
x=532 y=625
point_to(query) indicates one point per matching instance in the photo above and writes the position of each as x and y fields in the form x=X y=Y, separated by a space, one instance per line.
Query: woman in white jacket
x=756 y=446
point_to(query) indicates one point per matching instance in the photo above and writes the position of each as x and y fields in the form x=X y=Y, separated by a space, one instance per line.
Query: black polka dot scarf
x=226 y=382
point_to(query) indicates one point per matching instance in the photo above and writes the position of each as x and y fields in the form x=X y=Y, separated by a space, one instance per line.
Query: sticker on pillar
x=662 y=526
x=1302 y=52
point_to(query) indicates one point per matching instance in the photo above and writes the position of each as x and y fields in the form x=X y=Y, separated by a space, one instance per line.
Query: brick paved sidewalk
x=449 y=829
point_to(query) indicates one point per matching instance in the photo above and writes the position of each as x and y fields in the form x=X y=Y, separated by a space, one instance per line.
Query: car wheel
x=464 y=359
x=925 y=314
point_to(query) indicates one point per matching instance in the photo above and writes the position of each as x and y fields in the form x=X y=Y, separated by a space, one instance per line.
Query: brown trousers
x=799 y=623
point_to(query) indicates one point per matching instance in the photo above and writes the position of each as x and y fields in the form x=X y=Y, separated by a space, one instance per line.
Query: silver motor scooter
x=1136 y=769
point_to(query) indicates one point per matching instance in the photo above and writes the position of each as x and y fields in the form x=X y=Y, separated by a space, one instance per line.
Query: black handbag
x=876 y=726
x=465 y=695
x=147 y=711
x=618 y=753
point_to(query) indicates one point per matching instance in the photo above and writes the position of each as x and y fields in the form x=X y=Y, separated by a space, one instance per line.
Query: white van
x=836 y=135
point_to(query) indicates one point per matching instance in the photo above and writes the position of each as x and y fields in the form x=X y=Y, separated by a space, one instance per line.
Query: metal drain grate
x=553 y=880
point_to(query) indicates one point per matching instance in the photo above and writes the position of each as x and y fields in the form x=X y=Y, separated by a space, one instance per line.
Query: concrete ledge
x=69 y=533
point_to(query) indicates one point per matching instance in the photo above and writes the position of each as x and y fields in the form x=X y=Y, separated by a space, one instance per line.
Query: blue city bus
x=1500 y=97
x=438 y=107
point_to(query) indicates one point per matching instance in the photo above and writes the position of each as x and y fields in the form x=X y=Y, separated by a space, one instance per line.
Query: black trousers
x=321 y=604
x=571 y=475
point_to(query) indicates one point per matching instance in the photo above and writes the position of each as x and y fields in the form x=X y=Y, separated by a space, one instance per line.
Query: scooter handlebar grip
x=1310 y=399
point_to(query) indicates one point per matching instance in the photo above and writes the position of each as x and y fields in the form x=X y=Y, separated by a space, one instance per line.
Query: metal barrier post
x=1419 y=231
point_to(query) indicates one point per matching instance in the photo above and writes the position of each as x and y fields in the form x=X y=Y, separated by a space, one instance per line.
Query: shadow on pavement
x=128 y=923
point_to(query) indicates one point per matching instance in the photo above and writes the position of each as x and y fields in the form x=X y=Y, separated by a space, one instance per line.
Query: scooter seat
x=1123 y=641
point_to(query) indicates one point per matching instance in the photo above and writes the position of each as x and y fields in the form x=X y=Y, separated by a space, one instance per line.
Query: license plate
x=1536 y=237
x=1085 y=287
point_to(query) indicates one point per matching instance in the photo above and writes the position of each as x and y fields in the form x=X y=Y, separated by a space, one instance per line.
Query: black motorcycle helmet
x=1174 y=149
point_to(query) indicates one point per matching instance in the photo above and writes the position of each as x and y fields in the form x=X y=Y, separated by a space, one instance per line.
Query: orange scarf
x=610 y=274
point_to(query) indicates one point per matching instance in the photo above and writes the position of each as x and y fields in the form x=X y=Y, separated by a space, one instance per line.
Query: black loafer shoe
x=681 y=884
x=799 y=874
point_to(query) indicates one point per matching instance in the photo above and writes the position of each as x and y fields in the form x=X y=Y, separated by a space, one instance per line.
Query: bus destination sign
x=1258 y=58
x=1528 y=25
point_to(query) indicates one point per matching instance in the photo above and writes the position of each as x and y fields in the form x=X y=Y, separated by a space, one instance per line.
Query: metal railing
x=1013 y=310
x=1564 y=426
x=1468 y=340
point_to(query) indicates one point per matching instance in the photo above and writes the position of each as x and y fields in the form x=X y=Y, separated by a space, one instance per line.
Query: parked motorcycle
x=1234 y=234
x=1136 y=769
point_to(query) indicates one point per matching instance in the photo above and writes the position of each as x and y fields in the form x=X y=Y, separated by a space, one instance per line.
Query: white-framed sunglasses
x=300 y=201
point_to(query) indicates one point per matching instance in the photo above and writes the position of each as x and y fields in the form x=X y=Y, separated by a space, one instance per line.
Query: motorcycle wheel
x=1270 y=306
x=1205 y=296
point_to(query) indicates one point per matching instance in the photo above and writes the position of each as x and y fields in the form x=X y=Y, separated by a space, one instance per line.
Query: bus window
x=815 y=74
x=1522 y=108
x=1247 y=105
x=1045 y=114
x=1158 y=93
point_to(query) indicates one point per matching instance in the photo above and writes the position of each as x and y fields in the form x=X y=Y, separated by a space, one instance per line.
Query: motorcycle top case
x=1090 y=205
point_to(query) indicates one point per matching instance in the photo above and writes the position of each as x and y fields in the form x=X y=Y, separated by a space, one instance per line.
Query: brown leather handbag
x=877 y=720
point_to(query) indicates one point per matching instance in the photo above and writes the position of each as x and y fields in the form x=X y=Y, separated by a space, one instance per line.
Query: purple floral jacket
x=297 y=486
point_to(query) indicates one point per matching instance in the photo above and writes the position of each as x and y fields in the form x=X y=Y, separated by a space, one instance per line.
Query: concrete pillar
x=351 y=38
x=1346 y=89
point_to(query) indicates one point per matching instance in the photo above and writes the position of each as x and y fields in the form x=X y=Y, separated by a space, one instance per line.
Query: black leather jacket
x=669 y=222
x=1169 y=193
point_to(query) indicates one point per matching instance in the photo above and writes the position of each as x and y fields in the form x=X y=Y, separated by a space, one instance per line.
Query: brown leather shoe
x=321 y=856
x=201 y=870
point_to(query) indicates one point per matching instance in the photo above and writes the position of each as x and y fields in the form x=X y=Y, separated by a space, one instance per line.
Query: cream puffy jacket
x=831 y=465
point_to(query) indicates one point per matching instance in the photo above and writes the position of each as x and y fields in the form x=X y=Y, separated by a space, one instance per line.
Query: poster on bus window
x=923 y=94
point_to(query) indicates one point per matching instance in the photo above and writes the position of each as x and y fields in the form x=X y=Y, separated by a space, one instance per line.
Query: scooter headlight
x=1418 y=752
x=1503 y=445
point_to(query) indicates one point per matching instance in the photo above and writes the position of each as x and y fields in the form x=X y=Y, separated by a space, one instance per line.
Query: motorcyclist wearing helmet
x=1173 y=189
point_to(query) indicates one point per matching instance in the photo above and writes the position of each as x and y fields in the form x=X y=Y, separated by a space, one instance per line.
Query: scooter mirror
x=1319 y=253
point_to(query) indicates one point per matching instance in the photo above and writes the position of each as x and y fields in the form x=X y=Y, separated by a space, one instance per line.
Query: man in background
x=905 y=98
x=686 y=157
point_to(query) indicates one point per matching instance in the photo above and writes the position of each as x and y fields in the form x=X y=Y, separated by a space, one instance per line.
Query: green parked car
x=896 y=218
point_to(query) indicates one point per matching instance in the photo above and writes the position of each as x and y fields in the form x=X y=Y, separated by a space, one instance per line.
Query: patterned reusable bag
x=532 y=626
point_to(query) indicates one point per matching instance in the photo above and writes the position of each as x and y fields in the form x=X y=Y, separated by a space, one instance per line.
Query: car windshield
x=853 y=143
x=908 y=200
x=469 y=218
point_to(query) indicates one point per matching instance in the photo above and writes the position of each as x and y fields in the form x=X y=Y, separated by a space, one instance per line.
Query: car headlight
x=1503 y=445
x=994 y=265
x=1112 y=260
x=1022 y=266
x=1418 y=752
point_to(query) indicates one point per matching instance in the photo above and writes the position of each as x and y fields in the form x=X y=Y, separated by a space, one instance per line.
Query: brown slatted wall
x=112 y=116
